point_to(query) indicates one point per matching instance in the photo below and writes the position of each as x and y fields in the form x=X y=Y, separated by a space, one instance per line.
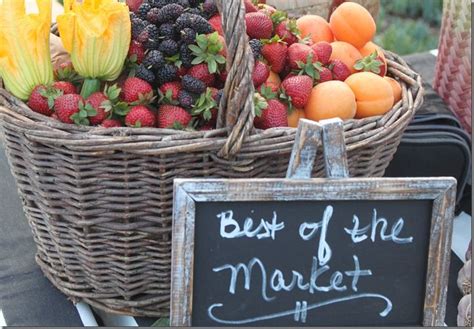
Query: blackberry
x=183 y=3
x=193 y=85
x=138 y=26
x=209 y=8
x=169 y=47
x=167 y=73
x=186 y=56
x=153 y=15
x=188 y=36
x=170 y=13
x=158 y=3
x=145 y=74
x=143 y=10
x=186 y=99
x=198 y=23
x=167 y=31
x=153 y=32
x=154 y=59
x=133 y=16
x=194 y=3
x=152 y=44
x=195 y=11
x=143 y=37
x=256 y=46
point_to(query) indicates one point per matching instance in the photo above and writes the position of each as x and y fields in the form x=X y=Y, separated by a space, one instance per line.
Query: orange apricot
x=295 y=116
x=346 y=53
x=332 y=99
x=373 y=94
x=396 y=88
x=352 y=23
x=315 y=27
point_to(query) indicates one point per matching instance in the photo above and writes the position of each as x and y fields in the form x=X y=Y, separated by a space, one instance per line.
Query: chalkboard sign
x=315 y=252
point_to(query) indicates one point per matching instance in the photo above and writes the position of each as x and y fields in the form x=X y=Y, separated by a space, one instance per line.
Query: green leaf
x=197 y=60
x=121 y=108
x=212 y=65
x=220 y=59
x=195 y=49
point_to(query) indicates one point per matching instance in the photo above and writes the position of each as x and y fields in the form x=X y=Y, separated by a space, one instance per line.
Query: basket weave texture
x=99 y=201
x=453 y=68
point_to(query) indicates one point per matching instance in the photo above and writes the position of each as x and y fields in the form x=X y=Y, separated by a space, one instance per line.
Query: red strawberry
x=297 y=90
x=140 y=116
x=111 y=123
x=275 y=52
x=182 y=71
x=340 y=71
x=201 y=72
x=206 y=127
x=372 y=63
x=170 y=116
x=260 y=74
x=42 y=99
x=325 y=75
x=102 y=105
x=288 y=32
x=136 y=52
x=249 y=7
x=299 y=53
x=65 y=87
x=323 y=50
x=135 y=90
x=259 y=26
x=134 y=4
x=274 y=115
x=67 y=106
x=216 y=23
x=173 y=87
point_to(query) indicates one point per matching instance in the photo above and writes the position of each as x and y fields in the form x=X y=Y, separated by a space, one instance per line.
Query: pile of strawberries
x=176 y=69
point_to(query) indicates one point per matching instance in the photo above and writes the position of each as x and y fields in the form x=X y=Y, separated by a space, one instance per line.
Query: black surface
x=398 y=270
x=27 y=298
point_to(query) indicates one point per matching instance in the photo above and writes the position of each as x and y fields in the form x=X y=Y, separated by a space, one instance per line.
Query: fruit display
x=162 y=63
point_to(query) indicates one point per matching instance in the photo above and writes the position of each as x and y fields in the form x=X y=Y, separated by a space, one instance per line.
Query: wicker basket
x=453 y=68
x=99 y=201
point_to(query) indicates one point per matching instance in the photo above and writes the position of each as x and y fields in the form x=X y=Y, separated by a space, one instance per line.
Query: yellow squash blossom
x=25 y=59
x=97 y=34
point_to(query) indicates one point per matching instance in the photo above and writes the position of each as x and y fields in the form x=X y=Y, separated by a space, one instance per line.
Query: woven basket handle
x=236 y=109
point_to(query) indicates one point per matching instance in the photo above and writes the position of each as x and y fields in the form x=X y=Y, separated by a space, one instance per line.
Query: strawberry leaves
x=310 y=68
x=204 y=105
x=370 y=63
x=85 y=112
x=207 y=51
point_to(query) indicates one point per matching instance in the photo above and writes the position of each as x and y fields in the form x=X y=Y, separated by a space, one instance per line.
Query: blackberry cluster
x=256 y=46
x=165 y=29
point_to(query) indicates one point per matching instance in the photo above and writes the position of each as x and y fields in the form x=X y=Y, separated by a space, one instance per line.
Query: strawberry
x=111 y=123
x=323 y=50
x=66 y=87
x=170 y=116
x=325 y=75
x=54 y=116
x=101 y=104
x=66 y=72
x=172 y=89
x=259 y=26
x=216 y=23
x=266 y=9
x=206 y=127
x=68 y=107
x=260 y=74
x=134 y=4
x=201 y=72
x=136 y=52
x=340 y=71
x=275 y=52
x=182 y=71
x=372 y=63
x=140 y=116
x=135 y=90
x=297 y=90
x=249 y=7
x=299 y=53
x=274 y=115
x=42 y=99
x=288 y=31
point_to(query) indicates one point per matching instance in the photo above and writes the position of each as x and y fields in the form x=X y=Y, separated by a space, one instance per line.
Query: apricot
x=332 y=99
x=352 y=23
x=346 y=53
x=295 y=116
x=396 y=88
x=315 y=27
x=374 y=95
x=369 y=49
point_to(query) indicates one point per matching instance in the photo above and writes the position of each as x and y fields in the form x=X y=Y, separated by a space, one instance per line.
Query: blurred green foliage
x=409 y=26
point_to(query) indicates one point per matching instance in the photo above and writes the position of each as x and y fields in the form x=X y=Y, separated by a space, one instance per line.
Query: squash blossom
x=25 y=59
x=97 y=35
